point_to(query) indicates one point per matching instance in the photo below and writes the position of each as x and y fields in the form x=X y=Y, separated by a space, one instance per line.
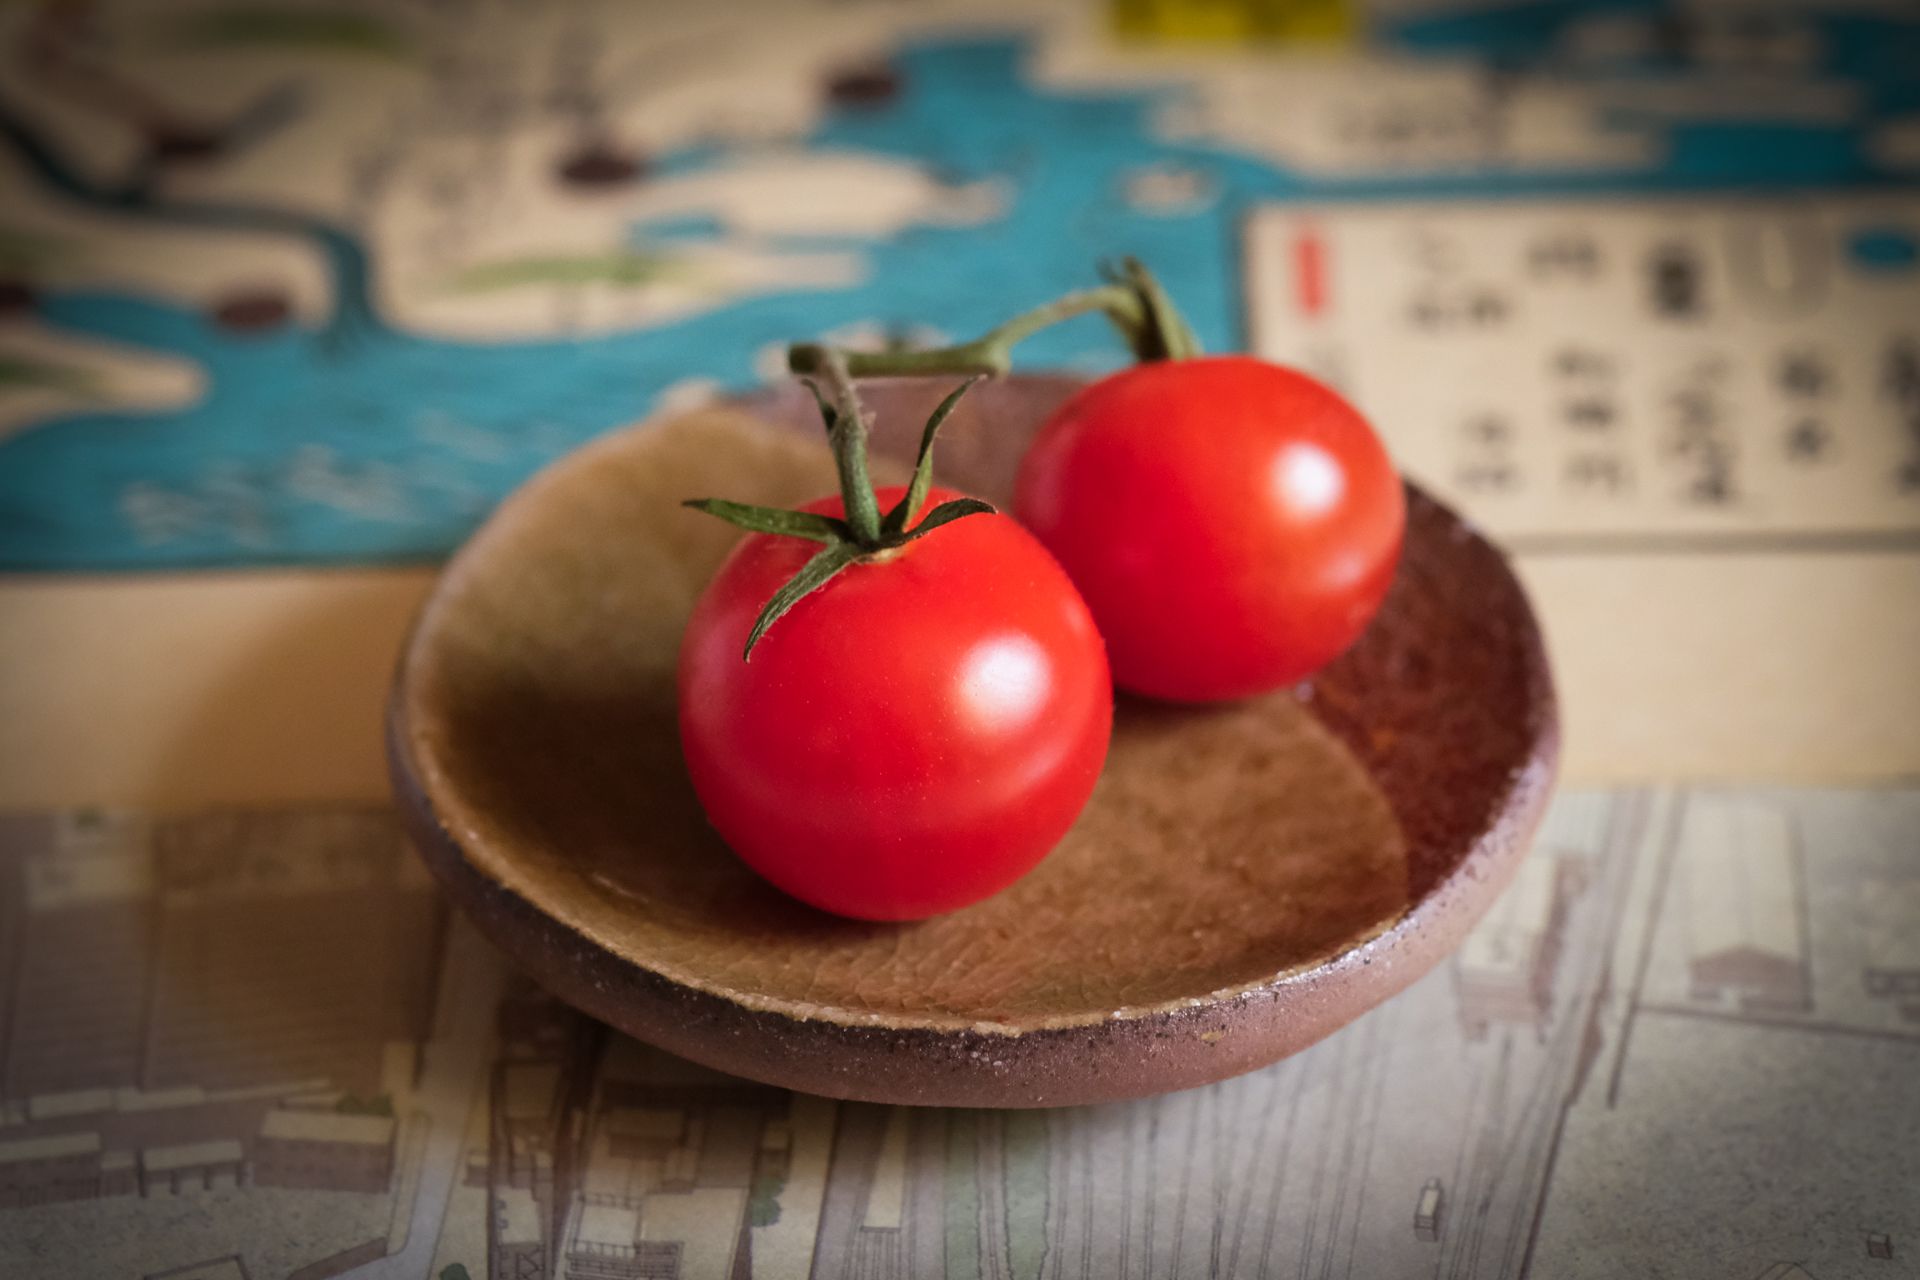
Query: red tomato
x=911 y=737
x=1233 y=525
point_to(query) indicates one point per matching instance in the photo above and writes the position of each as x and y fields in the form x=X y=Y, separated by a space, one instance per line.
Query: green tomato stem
x=1132 y=299
x=849 y=439
x=1166 y=333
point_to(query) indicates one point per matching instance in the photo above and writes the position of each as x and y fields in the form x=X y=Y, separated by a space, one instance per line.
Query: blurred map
x=320 y=282
x=1635 y=284
x=252 y=1044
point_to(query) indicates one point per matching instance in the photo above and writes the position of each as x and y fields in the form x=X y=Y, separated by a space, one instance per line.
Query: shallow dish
x=1244 y=881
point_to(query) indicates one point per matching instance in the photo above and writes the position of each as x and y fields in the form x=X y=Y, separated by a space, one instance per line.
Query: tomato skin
x=912 y=737
x=1233 y=525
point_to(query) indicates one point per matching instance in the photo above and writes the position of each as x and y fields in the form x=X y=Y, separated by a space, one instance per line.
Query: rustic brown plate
x=1244 y=881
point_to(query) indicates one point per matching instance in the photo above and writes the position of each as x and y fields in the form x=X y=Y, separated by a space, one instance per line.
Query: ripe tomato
x=1233 y=525
x=909 y=738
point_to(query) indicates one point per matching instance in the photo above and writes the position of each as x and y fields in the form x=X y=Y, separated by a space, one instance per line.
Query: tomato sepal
x=775 y=520
x=813 y=575
x=865 y=535
x=903 y=510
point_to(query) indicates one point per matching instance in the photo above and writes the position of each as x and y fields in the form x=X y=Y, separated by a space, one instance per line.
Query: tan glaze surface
x=1244 y=880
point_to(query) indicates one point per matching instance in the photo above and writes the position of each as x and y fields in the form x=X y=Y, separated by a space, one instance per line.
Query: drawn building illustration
x=89 y=914
x=1426 y=1210
x=1505 y=970
x=1745 y=914
x=324 y=1150
x=883 y=1213
x=1887 y=909
x=328 y=921
x=541 y=1073
x=606 y=1159
x=880 y=1249
x=227 y=1268
x=64 y=1166
x=672 y=1161
x=205 y=1003
x=186 y=1167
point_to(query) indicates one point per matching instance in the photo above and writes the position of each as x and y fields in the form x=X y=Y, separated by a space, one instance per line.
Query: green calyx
x=865 y=533
x=1131 y=299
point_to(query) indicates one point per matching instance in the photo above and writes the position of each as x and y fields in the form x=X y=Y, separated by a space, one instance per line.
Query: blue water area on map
x=357 y=442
